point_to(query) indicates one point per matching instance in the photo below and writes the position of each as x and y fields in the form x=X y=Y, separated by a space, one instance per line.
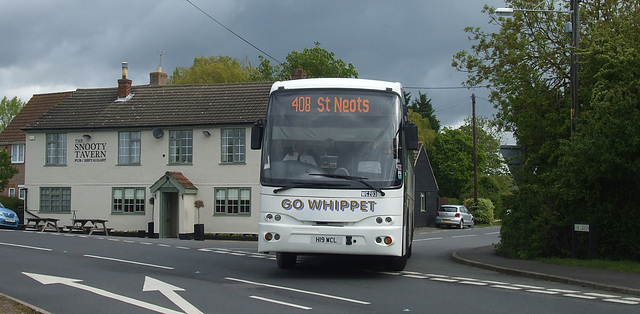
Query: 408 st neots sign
x=89 y=152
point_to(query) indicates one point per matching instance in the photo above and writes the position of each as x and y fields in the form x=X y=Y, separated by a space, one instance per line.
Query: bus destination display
x=330 y=104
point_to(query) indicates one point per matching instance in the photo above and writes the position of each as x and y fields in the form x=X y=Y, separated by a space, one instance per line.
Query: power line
x=442 y=87
x=232 y=32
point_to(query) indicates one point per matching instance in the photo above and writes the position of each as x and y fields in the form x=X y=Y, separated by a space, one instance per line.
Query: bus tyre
x=286 y=260
x=397 y=263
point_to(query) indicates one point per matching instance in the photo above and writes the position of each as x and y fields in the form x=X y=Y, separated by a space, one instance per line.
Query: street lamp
x=574 y=12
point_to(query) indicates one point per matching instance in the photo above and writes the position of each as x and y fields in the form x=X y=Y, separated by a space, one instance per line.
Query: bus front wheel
x=286 y=260
x=397 y=263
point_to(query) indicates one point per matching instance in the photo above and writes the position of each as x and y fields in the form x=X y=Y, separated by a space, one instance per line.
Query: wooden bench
x=41 y=224
x=90 y=225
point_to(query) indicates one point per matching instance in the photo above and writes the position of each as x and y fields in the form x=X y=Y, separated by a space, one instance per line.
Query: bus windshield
x=332 y=138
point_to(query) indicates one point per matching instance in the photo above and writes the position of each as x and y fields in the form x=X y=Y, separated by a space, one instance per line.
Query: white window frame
x=232 y=201
x=17 y=153
x=233 y=145
x=129 y=148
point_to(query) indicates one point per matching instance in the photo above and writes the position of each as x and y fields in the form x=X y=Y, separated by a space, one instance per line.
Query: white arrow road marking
x=47 y=280
x=169 y=291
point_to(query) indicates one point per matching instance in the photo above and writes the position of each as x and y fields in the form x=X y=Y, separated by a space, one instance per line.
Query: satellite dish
x=158 y=133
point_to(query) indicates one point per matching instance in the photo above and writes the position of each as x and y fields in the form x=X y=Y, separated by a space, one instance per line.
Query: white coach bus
x=336 y=177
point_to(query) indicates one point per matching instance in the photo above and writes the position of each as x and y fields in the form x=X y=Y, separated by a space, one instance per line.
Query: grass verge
x=625 y=266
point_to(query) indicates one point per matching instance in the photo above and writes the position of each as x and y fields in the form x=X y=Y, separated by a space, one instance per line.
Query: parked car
x=8 y=218
x=454 y=215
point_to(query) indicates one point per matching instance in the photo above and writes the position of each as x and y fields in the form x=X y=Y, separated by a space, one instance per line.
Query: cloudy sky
x=61 y=45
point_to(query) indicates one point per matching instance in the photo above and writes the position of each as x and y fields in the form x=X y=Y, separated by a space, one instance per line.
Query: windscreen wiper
x=352 y=178
x=307 y=185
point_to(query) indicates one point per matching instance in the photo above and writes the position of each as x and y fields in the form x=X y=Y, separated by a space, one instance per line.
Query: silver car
x=454 y=215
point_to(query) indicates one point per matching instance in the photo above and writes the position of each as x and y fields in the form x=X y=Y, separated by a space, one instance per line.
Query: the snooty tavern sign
x=90 y=152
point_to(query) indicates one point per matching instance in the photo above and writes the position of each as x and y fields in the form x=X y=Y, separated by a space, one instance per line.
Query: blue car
x=8 y=218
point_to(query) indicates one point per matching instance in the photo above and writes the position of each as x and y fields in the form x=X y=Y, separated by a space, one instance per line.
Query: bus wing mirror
x=256 y=134
x=411 y=136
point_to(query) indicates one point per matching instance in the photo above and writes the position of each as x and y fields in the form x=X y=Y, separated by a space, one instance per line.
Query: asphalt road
x=68 y=273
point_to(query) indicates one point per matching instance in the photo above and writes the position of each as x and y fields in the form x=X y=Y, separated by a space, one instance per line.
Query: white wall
x=91 y=182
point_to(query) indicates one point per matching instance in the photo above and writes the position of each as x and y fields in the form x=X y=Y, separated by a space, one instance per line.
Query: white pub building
x=136 y=155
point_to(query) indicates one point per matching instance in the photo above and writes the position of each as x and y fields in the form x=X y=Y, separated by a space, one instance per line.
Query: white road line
x=427 y=239
x=443 y=279
x=26 y=246
x=495 y=282
x=543 y=291
x=473 y=283
x=318 y=294
x=302 y=307
x=601 y=295
x=564 y=291
x=505 y=287
x=465 y=236
x=529 y=287
x=163 y=245
x=129 y=262
x=623 y=301
x=415 y=276
x=492 y=233
x=579 y=296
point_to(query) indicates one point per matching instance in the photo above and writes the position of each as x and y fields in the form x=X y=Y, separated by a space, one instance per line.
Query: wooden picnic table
x=42 y=223
x=90 y=224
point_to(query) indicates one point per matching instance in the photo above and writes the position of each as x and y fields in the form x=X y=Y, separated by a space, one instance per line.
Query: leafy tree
x=214 y=69
x=452 y=161
x=424 y=107
x=425 y=134
x=590 y=174
x=7 y=171
x=599 y=169
x=316 y=61
x=9 y=108
x=488 y=141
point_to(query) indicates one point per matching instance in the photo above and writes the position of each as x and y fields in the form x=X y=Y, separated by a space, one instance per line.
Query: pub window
x=128 y=200
x=232 y=201
x=56 y=150
x=181 y=147
x=129 y=148
x=233 y=145
x=423 y=202
x=55 y=199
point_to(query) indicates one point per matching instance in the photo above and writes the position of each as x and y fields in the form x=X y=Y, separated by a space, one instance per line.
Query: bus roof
x=338 y=83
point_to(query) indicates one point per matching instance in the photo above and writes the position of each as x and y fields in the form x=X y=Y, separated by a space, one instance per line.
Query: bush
x=483 y=211
x=13 y=203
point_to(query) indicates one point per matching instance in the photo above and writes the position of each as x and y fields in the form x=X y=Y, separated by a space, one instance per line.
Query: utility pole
x=573 y=75
x=475 y=151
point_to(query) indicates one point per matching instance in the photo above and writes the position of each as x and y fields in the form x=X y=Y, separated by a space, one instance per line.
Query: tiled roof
x=178 y=176
x=159 y=106
x=32 y=110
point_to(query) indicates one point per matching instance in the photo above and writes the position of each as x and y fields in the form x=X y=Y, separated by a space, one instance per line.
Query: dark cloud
x=67 y=44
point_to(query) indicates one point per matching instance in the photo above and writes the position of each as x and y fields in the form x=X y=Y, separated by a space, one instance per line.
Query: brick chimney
x=298 y=74
x=124 y=84
x=158 y=78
